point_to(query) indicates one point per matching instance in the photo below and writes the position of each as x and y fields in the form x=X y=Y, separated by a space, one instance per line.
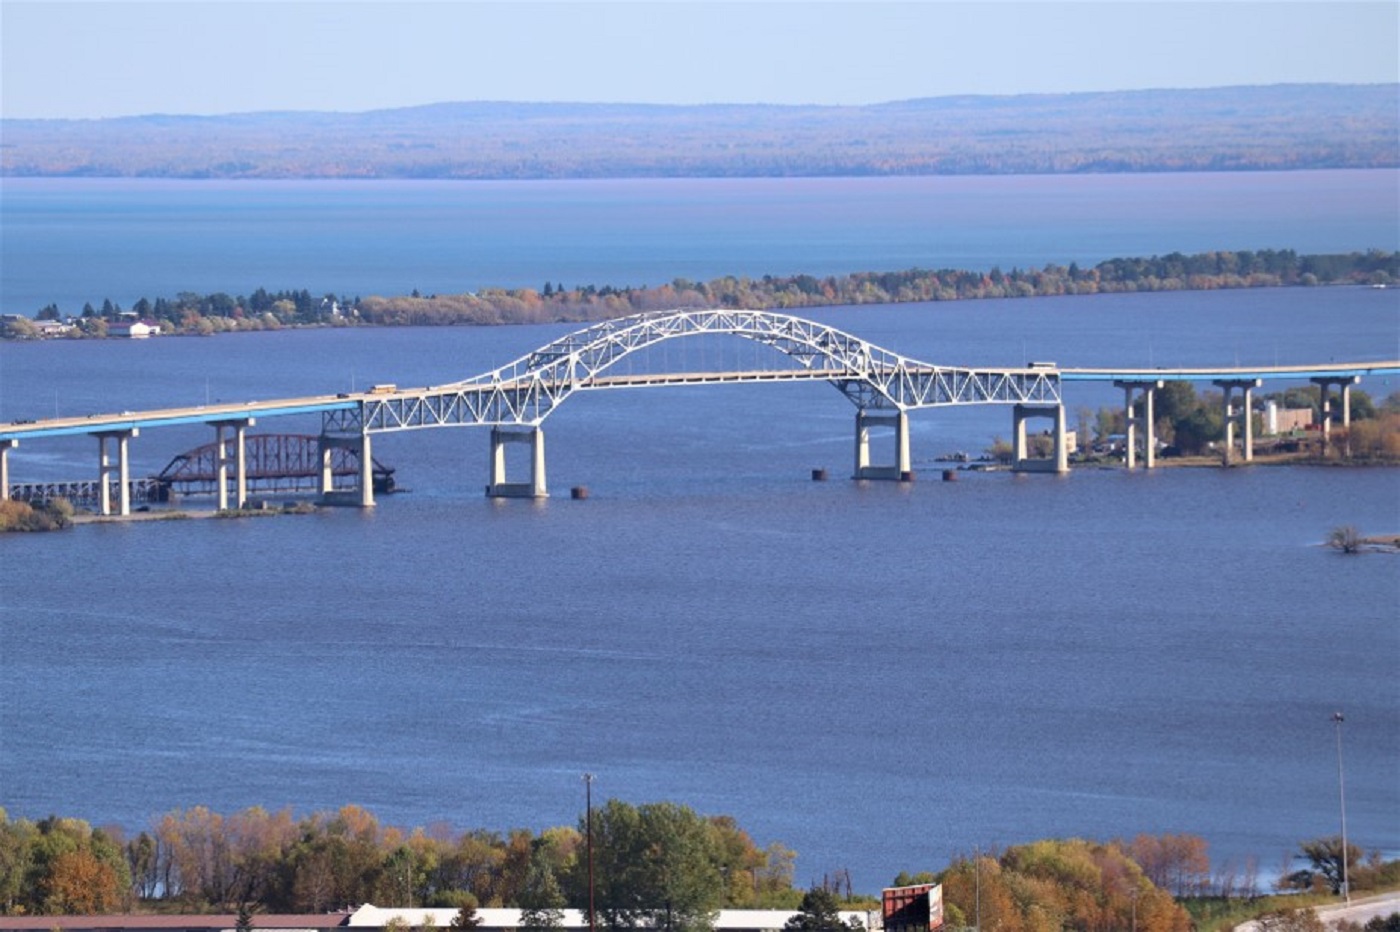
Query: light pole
x=1337 y=719
x=588 y=797
x=977 y=887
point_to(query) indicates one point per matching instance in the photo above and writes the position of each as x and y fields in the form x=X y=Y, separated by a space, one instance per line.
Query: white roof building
x=500 y=920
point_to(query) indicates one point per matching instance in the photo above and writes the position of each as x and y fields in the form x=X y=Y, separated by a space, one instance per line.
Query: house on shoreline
x=132 y=329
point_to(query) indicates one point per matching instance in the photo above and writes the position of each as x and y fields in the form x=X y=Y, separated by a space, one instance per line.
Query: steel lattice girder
x=525 y=391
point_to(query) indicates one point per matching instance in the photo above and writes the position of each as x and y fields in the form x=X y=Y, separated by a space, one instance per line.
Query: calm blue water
x=876 y=675
x=72 y=241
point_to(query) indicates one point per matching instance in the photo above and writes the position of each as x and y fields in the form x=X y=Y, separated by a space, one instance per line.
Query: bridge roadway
x=515 y=399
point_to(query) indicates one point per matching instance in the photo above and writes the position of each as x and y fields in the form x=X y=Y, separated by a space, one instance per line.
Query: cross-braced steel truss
x=526 y=391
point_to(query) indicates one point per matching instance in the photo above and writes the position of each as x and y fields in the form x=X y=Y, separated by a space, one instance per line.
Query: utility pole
x=588 y=797
x=1337 y=719
x=977 y=886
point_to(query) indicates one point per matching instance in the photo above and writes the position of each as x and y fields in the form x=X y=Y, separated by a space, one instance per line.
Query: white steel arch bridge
x=515 y=399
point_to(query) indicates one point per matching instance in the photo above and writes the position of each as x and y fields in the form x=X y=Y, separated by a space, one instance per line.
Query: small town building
x=132 y=329
x=1286 y=420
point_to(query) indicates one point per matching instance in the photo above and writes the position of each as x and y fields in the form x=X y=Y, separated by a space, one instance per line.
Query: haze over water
x=73 y=241
x=877 y=675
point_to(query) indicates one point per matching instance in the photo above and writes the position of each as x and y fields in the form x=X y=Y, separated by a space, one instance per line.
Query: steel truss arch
x=524 y=392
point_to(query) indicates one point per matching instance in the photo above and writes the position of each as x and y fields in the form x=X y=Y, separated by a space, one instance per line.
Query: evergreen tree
x=466 y=918
x=820 y=913
x=541 y=899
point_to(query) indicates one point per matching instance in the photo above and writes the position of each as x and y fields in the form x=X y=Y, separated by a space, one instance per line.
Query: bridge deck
x=1329 y=370
x=166 y=417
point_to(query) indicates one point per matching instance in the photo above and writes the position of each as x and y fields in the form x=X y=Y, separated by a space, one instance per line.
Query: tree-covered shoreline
x=193 y=313
x=642 y=866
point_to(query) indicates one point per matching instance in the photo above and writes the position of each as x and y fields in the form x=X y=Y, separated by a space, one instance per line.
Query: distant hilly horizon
x=1254 y=127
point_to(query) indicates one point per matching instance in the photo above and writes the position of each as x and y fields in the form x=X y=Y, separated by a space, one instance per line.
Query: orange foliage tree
x=1059 y=884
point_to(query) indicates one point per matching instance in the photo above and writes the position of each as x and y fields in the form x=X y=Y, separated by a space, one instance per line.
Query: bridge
x=514 y=400
x=275 y=463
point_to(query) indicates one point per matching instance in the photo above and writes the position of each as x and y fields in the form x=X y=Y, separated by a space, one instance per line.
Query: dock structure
x=514 y=401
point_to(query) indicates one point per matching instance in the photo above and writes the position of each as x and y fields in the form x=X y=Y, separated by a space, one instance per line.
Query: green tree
x=1173 y=402
x=1199 y=429
x=1324 y=856
x=541 y=899
x=466 y=918
x=655 y=866
x=906 y=879
x=820 y=912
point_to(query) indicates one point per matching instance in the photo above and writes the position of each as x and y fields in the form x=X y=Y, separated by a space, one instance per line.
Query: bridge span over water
x=515 y=399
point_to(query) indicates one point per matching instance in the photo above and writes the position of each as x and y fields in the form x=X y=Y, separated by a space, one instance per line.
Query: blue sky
x=98 y=58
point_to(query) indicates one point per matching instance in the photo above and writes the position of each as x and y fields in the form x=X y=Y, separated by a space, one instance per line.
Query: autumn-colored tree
x=1050 y=885
x=1179 y=863
x=79 y=883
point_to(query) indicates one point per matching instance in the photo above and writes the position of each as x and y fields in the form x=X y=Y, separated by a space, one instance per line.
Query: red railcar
x=913 y=909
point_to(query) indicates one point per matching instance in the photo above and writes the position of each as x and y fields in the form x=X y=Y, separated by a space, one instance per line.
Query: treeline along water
x=877 y=675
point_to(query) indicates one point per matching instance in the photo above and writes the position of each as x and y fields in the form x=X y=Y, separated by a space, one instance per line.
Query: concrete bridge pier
x=1343 y=385
x=5 y=446
x=239 y=427
x=1059 y=461
x=122 y=470
x=499 y=487
x=897 y=420
x=1244 y=414
x=326 y=445
x=1147 y=421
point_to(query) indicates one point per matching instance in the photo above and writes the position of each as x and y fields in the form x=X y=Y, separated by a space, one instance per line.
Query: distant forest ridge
x=1278 y=127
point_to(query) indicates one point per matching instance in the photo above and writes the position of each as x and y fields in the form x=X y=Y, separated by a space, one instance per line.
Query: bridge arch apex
x=578 y=359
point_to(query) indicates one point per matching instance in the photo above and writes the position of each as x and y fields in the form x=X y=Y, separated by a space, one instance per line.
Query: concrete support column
x=104 y=477
x=1061 y=446
x=363 y=494
x=1019 y=446
x=899 y=422
x=1343 y=384
x=221 y=466
x=325 y=450
x=5 y=446
x=1147 y=421
x=122 y=470
x=1059 y=459
x=366 y=472
x=239 y=457
x=123 y=476
x=499 y=486
x=240 y=464
x=1244 y=413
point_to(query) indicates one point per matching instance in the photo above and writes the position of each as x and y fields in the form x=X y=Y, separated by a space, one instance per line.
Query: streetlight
x=588 y=796
x=1337 y=719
